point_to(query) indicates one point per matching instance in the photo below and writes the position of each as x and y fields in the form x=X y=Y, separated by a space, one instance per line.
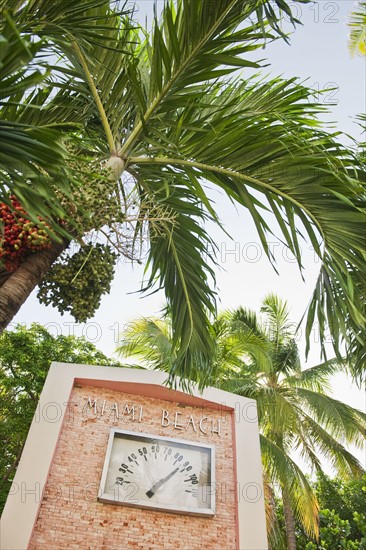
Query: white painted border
x=21 y=509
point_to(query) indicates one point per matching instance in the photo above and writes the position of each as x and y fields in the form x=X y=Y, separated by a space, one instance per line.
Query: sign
x=127 y=462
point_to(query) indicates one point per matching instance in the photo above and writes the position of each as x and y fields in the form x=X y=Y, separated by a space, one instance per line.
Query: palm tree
x=166 y=112
x=295 y=410
x=257 y=357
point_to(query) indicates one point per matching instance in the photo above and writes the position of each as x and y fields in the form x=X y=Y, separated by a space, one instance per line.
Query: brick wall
x=70 y=515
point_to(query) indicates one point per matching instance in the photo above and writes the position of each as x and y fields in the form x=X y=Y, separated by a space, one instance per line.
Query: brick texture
x=70 y=515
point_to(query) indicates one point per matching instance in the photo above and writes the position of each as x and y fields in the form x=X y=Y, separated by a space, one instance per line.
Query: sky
x=318 y=53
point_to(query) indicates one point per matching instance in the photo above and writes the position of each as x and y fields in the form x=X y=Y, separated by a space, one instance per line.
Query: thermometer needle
x=159 y=483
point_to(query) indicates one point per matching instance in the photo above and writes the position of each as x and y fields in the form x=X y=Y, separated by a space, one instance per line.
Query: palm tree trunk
x=289 y=521
x=16 y=288
x=4 y=275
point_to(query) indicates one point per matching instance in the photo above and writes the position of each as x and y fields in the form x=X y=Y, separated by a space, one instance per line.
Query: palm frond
x=243 y=319
x=244 y=383
x=243 y=338
x=150 y=341
x=267 y=145
x=176 y=262
x=338 y=419
x=86 y=21
x=342 y=461
x=274 y=533
x=281 y=468
x=31 y=157
x=307 y=451
x=357 y=26
x=277 y=313
x=196 y=42
x=33 y=160
x=317 y=378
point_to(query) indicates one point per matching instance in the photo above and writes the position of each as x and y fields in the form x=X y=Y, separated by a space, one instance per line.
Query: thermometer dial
x=158 y=472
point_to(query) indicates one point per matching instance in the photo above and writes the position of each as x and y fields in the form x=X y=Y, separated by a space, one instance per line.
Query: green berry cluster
x=94 y=199
x=76 y=283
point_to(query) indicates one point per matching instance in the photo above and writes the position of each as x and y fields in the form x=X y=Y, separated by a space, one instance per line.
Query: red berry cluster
x=18 y=235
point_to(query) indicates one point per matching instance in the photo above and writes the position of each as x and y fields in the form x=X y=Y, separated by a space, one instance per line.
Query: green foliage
x=76 y=283
x=335 y=533
x=25 y=358
x=342 y=515
x=346 y=498
x=334 y=530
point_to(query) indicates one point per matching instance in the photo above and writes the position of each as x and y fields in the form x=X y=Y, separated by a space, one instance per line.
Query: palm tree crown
x=166 y=112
